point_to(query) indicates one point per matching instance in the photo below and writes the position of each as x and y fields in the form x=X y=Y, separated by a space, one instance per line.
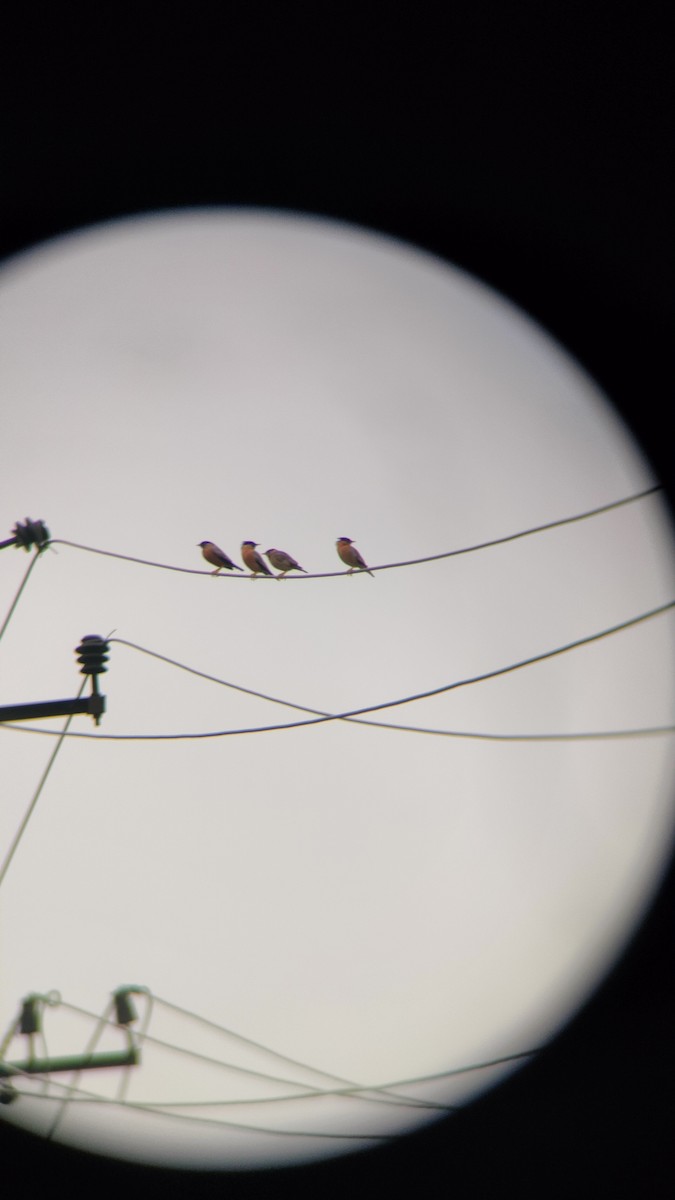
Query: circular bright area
x=333 y=930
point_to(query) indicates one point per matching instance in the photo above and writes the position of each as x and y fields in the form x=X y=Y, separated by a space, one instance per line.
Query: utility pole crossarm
x=71 y=1062
x=94 y=705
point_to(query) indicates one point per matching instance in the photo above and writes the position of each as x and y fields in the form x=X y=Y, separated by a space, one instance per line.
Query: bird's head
x=343 y=541
x=252 y=544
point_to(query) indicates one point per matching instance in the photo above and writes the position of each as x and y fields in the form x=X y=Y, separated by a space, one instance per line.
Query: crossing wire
x=495 y=673
x=512 y=737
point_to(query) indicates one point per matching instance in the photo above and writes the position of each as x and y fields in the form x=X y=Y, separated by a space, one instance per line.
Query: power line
x=165 y=1108
x=86 y=1097
x=29 y=812
x=194 y=1054
x=304 y=1133
x=412 y=562
x=317 y=1093
x=185 y=1012
x=17 y=597
x=348 y=1084
x=251 y=1072
x=355 y=1091
x=348 y=1087
x=425 y=695
x=380 y=1087
x=511 y=737
x=372 y=1093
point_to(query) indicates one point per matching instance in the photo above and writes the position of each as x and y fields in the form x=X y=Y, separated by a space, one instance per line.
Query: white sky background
x=380 y=905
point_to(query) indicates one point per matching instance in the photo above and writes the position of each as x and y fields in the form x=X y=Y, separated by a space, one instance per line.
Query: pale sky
x=379 y=905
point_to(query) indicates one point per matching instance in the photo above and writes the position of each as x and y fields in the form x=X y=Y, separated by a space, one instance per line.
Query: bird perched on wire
x=350 y=555
x=283 y=562
x=217 y=557
x=253 y=560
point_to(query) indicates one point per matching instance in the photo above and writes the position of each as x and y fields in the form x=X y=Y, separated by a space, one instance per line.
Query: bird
x=350 y=555
x=283 y=562
x=253 y=560
x=217 y=557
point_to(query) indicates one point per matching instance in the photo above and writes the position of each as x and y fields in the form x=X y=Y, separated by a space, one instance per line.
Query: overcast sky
x=380 y=905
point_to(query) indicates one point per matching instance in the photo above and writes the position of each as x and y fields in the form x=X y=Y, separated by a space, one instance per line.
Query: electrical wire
x=85 y=1096
x=350 y=1089
x=75 y=1094
x=349 y=1093
x=17 y=597
x=247 y=1041
x=252 y=1072
x=425 y=695
x=10 y=1034
x=165 y=1108
x=347 y=1087
x=29 y=811
x=355 y=1091
x=412 y=562
x=511 y=737
x=139 y=1035
x=72 y=1086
